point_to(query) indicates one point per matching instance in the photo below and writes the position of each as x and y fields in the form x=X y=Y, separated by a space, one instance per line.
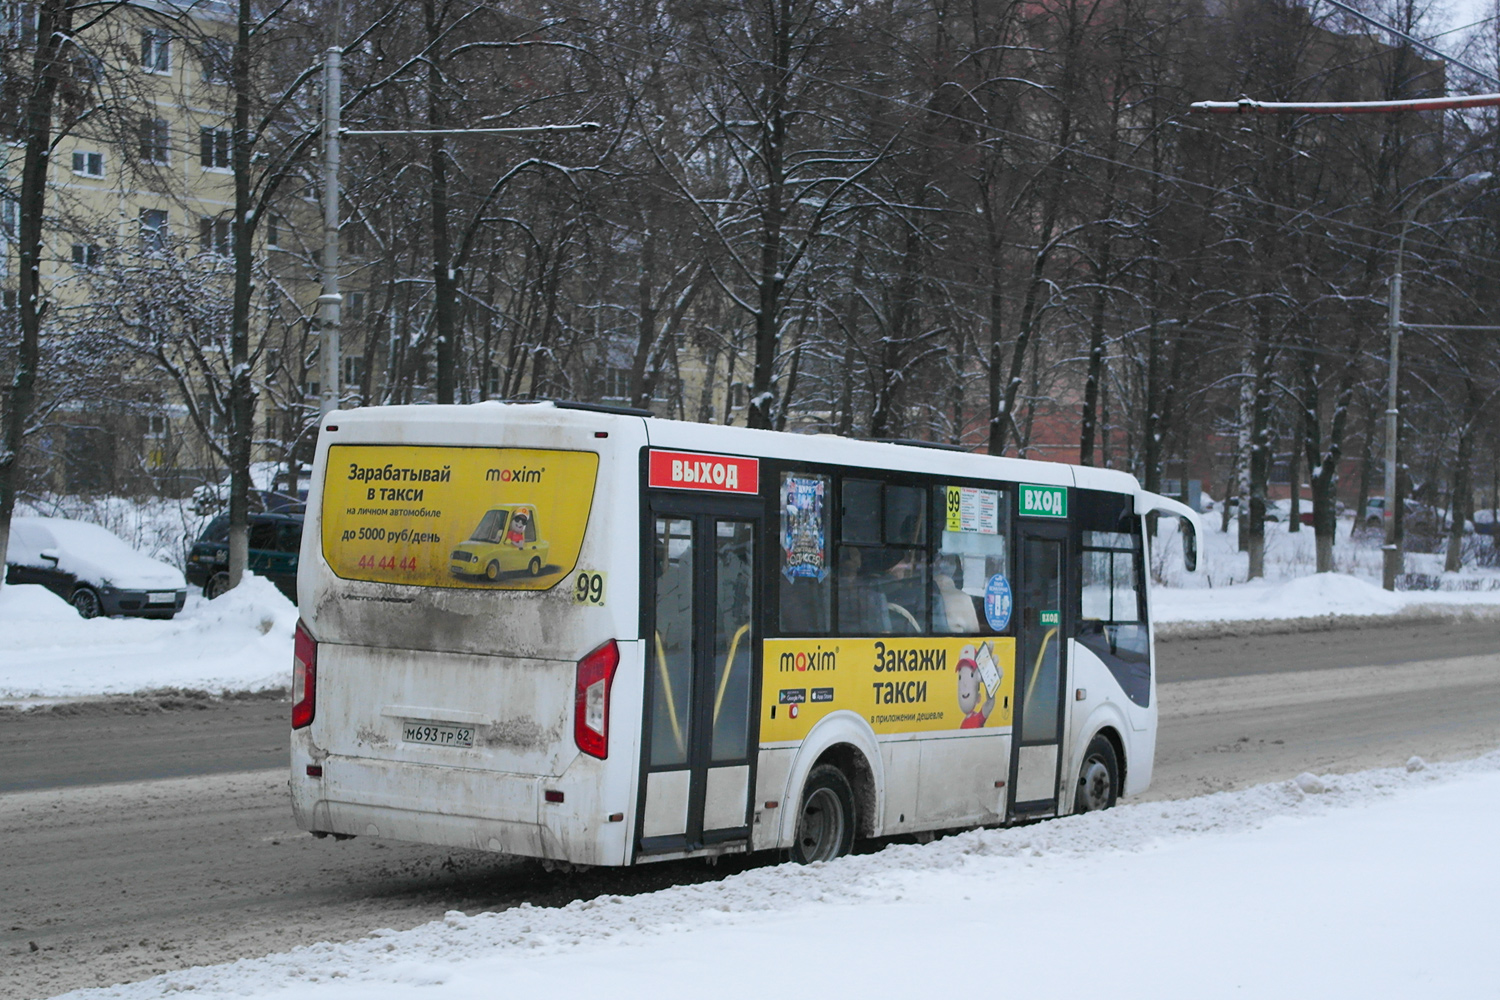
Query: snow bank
x=240 y=642
x=1302 y=597
x=1361 y=885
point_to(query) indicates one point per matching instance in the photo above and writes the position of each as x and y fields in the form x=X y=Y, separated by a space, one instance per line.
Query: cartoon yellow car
x=506 y=541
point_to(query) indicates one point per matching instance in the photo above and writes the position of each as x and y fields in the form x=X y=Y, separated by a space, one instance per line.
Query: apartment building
x=137 y=246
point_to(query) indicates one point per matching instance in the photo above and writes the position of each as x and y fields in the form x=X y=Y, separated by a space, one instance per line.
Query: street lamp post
x=330 y=303
x=1391 y=560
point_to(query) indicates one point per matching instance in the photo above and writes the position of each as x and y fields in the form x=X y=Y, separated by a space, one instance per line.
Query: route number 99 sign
x=588 y=588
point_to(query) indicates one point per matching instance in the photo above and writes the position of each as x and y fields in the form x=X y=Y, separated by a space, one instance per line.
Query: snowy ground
x=241 y=642
x=1365 y=885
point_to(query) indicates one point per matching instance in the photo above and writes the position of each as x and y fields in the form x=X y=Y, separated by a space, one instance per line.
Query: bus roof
x=466 y=423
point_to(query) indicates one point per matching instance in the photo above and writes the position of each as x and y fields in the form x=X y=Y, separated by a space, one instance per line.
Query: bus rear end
x=468 y=586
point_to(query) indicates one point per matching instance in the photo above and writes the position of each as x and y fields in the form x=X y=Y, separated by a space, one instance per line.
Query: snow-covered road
x=1373 y=884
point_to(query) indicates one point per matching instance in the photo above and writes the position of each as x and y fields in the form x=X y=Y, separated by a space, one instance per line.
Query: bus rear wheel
x=826 y=820
x=1099 y=778
x=535 y=566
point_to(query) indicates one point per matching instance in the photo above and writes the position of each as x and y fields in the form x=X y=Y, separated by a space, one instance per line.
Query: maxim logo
x=521 y=475
x=817 y=660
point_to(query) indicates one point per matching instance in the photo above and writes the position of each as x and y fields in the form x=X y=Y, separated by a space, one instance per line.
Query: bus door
x=701 y=599
x=1040 y=669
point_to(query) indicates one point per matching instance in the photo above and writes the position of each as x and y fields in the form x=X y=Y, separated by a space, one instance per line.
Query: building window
x=354 y=369
x=18 y=23
x=213 y=148
x=356 y=302
x=10 y=217
x=355 y=239
x=155 y=141
x=616 y=383
x=88 y=164
x=156 y=425
x=492 y=382
x=154 y=228
x=216 y=236
x=156 y=50
x=86 y=254
x=217 y=55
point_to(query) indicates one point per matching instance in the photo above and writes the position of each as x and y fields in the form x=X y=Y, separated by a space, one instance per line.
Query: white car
x=92 y=569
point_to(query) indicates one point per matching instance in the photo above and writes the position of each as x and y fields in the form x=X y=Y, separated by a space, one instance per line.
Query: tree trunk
x=54 y=28
x=1294 y=467
x=1462 y=490
x=241 y=386
x=444 y=277
x=1087 y=431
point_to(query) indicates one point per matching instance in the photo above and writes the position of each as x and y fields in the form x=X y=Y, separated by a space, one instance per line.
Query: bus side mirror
x=1189 y=544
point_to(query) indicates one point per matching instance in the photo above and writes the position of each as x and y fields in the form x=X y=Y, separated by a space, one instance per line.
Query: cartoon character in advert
x=976 y=666
x=516 y=534
x=506 y=541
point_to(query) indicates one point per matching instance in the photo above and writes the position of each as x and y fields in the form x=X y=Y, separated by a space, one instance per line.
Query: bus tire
x=826 y=819
x=535 y=566
x=1098 y=778
x=492 y=571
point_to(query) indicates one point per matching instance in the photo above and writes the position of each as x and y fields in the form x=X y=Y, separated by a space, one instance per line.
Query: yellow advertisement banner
x=488 y=518
x=901 y=685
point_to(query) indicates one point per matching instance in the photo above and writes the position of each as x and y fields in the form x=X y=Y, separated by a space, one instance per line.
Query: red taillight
x=596 y=672
x=304 y=677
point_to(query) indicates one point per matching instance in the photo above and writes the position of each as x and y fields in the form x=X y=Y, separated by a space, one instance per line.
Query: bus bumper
x=458 y=807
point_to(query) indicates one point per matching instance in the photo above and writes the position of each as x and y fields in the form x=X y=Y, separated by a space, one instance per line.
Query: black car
x=274 y=541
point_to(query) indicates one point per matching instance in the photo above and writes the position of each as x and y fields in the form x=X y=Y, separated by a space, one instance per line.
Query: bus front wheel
x=1099 y=778
x=492 y=571
x=826 y=820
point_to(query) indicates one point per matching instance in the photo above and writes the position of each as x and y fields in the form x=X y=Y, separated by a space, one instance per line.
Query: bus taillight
x=304 y=677
x=596 y=672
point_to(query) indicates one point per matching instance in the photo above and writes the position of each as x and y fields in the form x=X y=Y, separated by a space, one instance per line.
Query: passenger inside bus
x=862 y=607
x=953 y=609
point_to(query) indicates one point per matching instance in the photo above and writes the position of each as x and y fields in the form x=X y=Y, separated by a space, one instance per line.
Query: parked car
x=92 y=569
x=1276 y=510
x=275 y=539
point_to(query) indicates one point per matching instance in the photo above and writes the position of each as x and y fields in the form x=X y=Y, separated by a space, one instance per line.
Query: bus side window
x=882 y=559
x=1111 y=618
x=972 y=550
x=805 y=580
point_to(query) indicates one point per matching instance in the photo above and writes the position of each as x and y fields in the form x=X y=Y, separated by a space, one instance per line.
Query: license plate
x=163 y=597
x=437 y=734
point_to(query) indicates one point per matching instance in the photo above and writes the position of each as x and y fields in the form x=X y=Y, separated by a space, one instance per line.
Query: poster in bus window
x=482 y=518
x=804 y=537
x=973 y=511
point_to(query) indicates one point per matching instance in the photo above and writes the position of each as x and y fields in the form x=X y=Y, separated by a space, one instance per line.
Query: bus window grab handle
x=666 y=683
x=1036 y=671
x=734 y=646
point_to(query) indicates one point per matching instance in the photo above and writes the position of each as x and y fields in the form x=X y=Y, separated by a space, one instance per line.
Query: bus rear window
x=472 y=518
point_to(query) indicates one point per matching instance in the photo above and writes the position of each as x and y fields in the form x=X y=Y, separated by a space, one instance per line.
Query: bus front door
x=701 y=592
x=1040 y=670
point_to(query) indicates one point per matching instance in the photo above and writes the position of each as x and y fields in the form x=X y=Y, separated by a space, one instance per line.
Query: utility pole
x=330 y=303
x=1390 y=558
x=1391 y=561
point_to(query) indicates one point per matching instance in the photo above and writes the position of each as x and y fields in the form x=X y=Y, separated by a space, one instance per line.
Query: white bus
x=591 y=636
